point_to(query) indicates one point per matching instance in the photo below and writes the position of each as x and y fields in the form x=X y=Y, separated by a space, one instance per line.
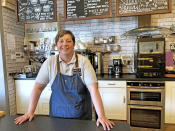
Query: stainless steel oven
x=146 y=103
x=146 y=116
x=146 y=93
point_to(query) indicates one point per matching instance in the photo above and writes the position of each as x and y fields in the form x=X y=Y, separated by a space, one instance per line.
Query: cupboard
x=23 y=91
x=113 y=94
x=169 y=102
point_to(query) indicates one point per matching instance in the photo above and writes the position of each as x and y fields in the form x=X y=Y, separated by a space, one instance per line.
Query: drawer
x=111 y=84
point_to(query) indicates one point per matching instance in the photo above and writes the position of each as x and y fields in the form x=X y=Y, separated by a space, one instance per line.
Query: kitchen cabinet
x=23 y=91
x=169 y=102
x=113 y=94
x=43 y=106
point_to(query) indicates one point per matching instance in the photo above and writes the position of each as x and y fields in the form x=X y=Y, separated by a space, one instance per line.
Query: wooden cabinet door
x=43 y=104
x=23 y=91
x=114 y=102
x=170 y=102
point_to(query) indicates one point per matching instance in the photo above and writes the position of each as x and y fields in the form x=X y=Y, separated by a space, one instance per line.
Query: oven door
x=146 y=96
x=146 y=116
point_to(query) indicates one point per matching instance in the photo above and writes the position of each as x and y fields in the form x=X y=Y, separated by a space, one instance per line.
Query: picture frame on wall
x=84 y=9
x=142 y=7
x=35 y=11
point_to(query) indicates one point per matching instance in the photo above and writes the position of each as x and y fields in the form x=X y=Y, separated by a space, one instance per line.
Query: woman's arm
x=96 y=99
x=34 y=97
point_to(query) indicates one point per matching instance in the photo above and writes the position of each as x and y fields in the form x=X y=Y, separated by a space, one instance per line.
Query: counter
x=132 y=77
x=127 y=77
x=45 y=123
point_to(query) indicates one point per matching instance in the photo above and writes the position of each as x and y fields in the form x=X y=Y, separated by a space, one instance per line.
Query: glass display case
x=151 y=47
x=150 y=60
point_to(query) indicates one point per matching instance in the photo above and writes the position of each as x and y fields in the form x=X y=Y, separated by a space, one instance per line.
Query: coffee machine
x=98 y=63
x=117 y=66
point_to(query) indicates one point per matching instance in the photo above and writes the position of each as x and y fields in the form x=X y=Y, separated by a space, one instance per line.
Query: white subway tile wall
x=84 y=30
x=114 y=26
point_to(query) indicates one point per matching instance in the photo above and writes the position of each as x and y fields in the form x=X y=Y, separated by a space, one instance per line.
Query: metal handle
x=111 y=84
x=123 y=99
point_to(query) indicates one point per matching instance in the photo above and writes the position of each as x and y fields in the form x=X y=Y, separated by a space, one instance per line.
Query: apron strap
x=58 y=64
x=76 y=63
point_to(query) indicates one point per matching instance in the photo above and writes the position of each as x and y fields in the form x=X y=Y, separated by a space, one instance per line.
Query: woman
x=73 y=83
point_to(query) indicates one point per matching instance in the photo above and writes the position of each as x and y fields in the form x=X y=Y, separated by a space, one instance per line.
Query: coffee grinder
x=117 y=66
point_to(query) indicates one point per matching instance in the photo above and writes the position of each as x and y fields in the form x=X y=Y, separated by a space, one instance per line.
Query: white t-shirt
x=48 y=70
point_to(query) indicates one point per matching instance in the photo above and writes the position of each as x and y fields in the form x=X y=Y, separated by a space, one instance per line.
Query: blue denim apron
x=70 y=97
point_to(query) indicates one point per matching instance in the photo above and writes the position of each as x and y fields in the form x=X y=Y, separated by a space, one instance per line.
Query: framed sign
x=33 y=11
x=87 y=9
x=142 y=7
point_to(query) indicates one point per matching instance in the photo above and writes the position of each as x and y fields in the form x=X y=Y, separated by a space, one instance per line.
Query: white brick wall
x=166 y=20
x=10 y=27
x=114 y=26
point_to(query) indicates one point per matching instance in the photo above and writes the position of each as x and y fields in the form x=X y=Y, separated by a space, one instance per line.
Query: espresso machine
x=117 y=66
x=98 y=63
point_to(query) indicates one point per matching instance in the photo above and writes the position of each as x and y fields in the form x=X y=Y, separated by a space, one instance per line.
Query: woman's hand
x=107 y=124
x=23 y=118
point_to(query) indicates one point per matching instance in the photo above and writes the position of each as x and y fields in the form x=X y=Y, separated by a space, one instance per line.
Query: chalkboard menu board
x=142 y=7
x=87 y=9
x=33 y=11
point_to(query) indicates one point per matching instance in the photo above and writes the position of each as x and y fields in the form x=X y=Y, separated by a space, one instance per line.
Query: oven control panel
x=160 y=84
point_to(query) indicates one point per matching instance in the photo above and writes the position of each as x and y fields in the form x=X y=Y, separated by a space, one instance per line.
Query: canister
x=110 y=70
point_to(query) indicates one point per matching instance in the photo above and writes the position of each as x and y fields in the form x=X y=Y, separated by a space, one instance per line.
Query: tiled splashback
x=85 y=31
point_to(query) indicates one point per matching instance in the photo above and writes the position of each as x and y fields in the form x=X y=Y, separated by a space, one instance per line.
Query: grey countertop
x=45 y=123
x=127 y=77
x=131 y=77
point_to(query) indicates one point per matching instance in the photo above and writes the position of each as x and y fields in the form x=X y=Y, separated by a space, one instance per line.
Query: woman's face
x=65 y=45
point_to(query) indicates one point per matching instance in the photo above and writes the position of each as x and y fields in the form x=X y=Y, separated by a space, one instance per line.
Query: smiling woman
x=73 y=84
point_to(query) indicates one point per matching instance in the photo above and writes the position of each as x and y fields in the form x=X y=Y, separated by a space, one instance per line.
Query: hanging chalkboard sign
x=33 y=11
x=87 y=9
x=142 y=7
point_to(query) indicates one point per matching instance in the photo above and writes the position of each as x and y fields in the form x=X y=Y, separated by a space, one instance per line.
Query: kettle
x=110 y=70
